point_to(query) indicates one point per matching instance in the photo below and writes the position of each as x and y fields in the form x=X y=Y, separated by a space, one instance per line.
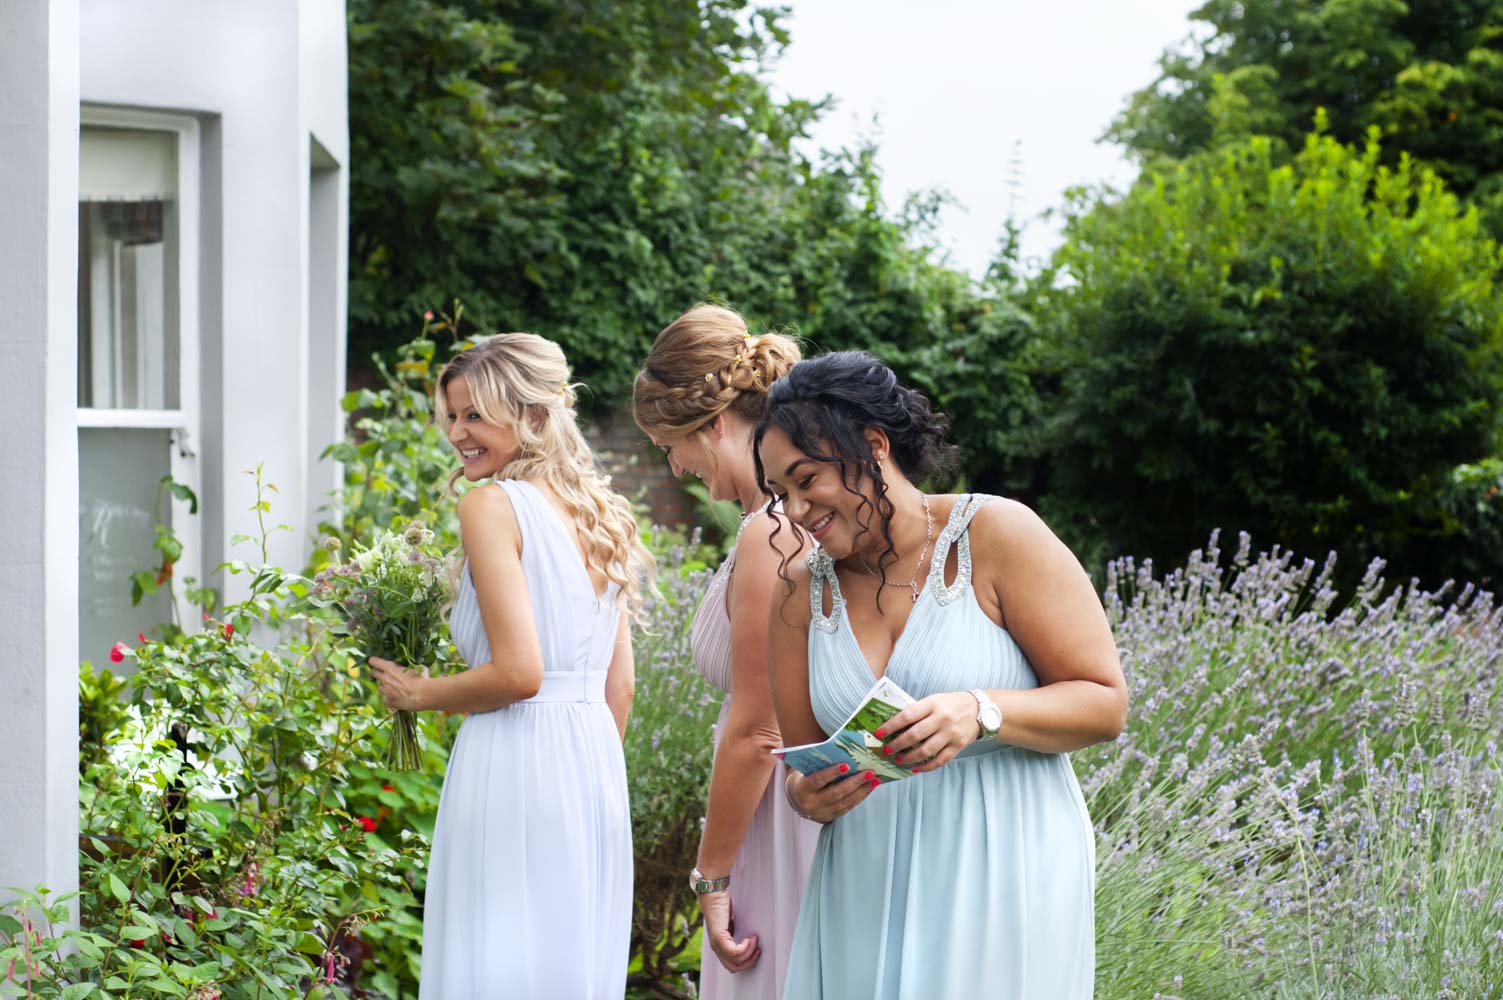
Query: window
x=137 y=364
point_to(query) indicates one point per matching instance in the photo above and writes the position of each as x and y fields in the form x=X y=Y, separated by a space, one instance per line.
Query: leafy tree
x=588 y=170
x=1428 y=73
x=1306 y=350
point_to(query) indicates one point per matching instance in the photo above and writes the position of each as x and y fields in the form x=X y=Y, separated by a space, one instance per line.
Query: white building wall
x=38 y=443
x=266 y=80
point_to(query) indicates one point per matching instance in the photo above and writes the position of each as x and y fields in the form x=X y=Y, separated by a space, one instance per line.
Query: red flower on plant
x=229 y=630
x=118 y=651
x=367 y=823
x=387 y=788
x=141 y=636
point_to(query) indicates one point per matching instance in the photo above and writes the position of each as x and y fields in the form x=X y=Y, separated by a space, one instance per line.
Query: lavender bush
x=1306 y=800
x=668 y=757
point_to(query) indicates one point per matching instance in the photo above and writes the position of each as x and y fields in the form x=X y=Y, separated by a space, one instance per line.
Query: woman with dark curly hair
x=976 y=875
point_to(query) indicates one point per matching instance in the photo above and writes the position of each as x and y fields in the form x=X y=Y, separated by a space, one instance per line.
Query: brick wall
x=638 y=469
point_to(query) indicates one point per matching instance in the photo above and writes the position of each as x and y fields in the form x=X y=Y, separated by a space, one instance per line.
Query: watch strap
x=702 y=885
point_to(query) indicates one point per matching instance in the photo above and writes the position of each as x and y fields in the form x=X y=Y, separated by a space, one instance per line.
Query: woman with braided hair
x=700 y=394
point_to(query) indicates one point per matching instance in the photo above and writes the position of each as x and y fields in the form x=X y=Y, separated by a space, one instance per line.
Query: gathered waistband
x=570 y=686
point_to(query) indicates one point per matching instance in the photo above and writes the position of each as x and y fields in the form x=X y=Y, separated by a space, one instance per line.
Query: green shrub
x=1305 y=351
x=668 y=758
x=220 y=853
x=1308 y=799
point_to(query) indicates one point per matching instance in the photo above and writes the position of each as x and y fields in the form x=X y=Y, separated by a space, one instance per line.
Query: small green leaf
x=118 y=889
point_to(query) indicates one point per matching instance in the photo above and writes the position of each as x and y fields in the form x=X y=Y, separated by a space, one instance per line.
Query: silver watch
x=988 y=715
x=702 y=885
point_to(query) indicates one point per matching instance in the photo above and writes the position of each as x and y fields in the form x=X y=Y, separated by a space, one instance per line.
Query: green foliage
x=588 y=171
x=220 y=853
x=1307 y=799
x=1427 y=73
x=668 y=758
x=396 y=461
x=1307 y=351
x=101 y=712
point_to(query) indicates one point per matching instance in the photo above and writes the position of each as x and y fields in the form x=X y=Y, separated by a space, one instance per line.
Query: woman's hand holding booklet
x=856 y=743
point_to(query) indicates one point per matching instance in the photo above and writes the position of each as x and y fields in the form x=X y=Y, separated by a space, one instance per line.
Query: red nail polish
x=868 y=776
x=844 y=768
x=897 y=760
x=880 y=734
x=876 y=782
x=887 y=750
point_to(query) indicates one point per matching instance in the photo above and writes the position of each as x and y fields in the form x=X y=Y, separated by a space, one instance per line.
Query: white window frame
x=184 y=422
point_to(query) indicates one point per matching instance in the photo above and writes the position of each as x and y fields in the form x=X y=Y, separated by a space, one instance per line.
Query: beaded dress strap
x=821 y=568
x=956 y=532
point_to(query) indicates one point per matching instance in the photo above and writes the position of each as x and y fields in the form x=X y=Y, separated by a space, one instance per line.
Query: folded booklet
x=856 y=743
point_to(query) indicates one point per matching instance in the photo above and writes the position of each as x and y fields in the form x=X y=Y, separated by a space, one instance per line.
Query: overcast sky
x=950 y=87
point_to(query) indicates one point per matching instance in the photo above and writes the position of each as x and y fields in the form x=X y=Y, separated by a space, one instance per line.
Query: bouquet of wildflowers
x=392 y=597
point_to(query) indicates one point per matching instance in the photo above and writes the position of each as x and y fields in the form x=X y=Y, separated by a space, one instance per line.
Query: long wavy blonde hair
x=521 y=381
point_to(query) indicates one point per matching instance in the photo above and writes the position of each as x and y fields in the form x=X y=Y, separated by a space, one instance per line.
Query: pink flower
x=368 y=823
x=251 y=871
x=229 y=630
x=141 y=636
x=118 y=651
x=428 y=316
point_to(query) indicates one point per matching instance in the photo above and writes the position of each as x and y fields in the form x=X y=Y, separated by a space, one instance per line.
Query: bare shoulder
x=790 y=595
x=771 y=540
x=1008 y=536
x=1008 y=527
x=486 y=516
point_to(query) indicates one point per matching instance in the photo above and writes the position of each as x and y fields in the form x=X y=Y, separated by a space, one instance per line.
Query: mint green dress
x=973 y=880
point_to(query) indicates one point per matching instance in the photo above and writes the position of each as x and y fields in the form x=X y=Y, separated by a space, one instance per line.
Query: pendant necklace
x=913 y=584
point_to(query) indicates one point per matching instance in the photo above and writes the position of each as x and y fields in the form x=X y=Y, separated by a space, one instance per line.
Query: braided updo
x=706 y=363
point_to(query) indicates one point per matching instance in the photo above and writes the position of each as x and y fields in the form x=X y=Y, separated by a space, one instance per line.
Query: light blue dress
x=530 y=879
x=973 y=880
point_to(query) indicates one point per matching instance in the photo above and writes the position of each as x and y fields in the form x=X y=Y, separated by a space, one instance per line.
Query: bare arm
x=1030 y=583
x=621 y=677
x=1052 y=611
x=788 y=660
x=493 y=546
x=744 y=760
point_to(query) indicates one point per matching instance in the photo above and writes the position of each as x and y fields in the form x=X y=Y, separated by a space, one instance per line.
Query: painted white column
x=39 y=101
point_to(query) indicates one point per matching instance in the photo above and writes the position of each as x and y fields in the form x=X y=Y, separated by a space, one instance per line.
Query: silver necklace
x=912 y=585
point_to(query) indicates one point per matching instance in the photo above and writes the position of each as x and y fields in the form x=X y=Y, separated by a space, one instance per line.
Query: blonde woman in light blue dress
x=975 y=876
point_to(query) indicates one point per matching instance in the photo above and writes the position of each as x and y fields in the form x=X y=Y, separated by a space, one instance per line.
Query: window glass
x=127 y=270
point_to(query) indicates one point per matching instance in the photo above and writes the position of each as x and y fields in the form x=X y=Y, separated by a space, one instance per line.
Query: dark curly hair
x=826 y=404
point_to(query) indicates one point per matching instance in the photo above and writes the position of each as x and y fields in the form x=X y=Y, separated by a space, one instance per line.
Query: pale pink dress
x=767 y=880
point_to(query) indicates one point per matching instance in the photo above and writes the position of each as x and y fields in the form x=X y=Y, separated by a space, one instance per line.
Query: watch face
x=991 y=718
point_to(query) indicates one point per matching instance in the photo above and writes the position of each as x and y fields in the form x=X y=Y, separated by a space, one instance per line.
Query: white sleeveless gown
x=530 y=881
